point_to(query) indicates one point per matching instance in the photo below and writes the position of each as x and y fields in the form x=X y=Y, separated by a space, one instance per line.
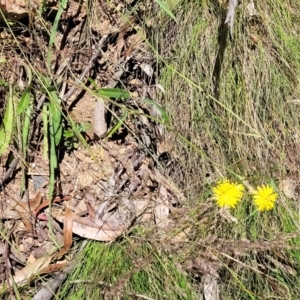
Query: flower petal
x=265 y=197
x=228 y=194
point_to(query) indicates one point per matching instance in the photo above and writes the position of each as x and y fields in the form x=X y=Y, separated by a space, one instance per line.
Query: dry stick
x=86 y=70
x=10 y=171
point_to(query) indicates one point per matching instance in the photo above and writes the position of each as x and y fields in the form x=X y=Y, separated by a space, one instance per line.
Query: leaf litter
x=112 y=185
x=107 y=187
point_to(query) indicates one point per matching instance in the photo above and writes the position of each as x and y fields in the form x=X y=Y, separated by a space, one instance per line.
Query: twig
x=86 y=70
x=9 y=172
x=49 y=289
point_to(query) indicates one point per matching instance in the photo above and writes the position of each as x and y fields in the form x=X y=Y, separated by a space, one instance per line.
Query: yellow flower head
x=227 y=193
x=265 y=197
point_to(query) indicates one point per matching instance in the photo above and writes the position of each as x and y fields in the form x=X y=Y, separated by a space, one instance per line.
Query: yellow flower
x=265 y=197
x=227 y=193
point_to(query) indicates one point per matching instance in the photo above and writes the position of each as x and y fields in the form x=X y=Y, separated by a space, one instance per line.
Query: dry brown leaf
x=52 y=268
x=22 y=277
x=248 y=186
x=95 y=233
x=87 y=228
x=13 y=10
x=9 y=214
x=119 y=46
x=288 y=187
x=36 y=201
x=31 y=259
x=136 y=82
x=17 y=253
x=68 y=236
x=225 y=213
x=147 y=69
x=121 y=42
x=99 y=118
x=137 y=39
x=26 y=220
x=68 y=233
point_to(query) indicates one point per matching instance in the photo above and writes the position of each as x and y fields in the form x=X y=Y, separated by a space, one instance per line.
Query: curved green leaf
x=24 y=102
x=161 y=110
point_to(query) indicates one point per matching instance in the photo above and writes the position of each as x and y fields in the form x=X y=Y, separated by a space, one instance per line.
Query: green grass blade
x=24 y=102
x=165 y=8
x=161 y=110
x=55 y=120
x=26 y=127
x=117 y=126
x=45 y=132
x=114 y=93
x=6 y=131
x=62 y=7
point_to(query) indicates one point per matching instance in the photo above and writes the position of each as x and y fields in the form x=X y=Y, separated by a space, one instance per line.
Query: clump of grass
x=233 y=99
x=127 y=269
x=254 y=253
x=233 y=102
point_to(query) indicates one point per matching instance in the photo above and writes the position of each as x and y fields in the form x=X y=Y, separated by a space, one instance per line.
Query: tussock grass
x=127 y=269
x=232 y=99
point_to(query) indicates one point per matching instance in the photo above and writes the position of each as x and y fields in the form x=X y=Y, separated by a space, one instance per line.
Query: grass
x=231 y=101
x=126 y=269
x=233 y=113
x=232 y=97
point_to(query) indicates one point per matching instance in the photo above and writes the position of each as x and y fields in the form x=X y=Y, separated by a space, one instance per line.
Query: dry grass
x=234 y=113
x=232 y=99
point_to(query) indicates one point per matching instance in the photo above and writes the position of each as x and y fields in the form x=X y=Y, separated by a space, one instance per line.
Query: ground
x=119 y=119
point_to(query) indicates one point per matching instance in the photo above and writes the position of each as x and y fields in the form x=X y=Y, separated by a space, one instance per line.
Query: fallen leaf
x=225 y=213
x=68 y=233
x=162 y=210
x=31 y=259
x=23 y=276
x=87 y=228
x=147 y=69
x=288 y=187
x=52 y=268
x=99 y=118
